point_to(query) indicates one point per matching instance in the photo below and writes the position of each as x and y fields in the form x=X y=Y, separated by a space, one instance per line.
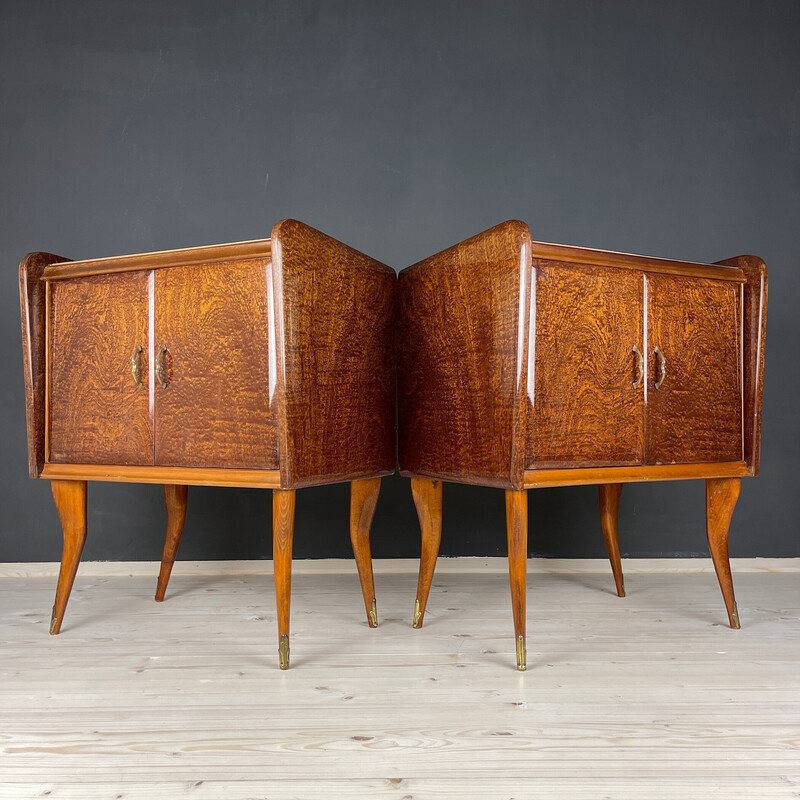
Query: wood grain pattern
x=32 y=314
x=216 y=409
x=283 y=502
x=754 y=339
x=517 y=529
x=97 y=413
x=585 y=409
x=192 y=476
x=463 y=359
x=178 y=700
x=427 y=496
x=696 y=414
x=334 y=327
x=70 y=500
x=175 y=499
x=721 y=497
x=235 y=251
x=609 y=510
x=363 y=499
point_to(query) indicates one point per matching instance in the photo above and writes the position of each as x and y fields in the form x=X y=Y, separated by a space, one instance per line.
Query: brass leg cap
x=417 y=623
x=735 y=624
x=283 y=651
x=521 y=654
x=373 y=614
x=55 y=623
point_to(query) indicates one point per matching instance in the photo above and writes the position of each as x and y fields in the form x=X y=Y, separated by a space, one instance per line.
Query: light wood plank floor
x=641 y=698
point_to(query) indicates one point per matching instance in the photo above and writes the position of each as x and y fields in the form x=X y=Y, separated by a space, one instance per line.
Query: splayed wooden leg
x=517 y=526
x=175 y=497
x=428 y=500
x=609 y=508
x=721 y=497
x=363 y=499
x=70 y=499
x=282 y=535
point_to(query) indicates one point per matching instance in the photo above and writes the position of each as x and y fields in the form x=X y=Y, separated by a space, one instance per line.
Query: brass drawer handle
x=637 y=382
x=136 y=366
x=662 y=367
x=161 y=367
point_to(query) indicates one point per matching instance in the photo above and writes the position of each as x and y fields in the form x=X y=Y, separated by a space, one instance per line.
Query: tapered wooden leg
x=428 y=500
x=282 y=534
x=175 y=498
x=363 y=499
x=70 y=497
x=609 y=508
x=721 y=497
x=517 y=525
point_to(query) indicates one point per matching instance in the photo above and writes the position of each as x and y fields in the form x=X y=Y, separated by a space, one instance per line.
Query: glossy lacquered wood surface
x=462 y=359
x=363 y=499
x=334 y=328
x=427 y=496
x=695 y=415
x=98 y=414
x=754 y=319
x=215 y=410
x=721 y=497
x=587 y=407
x=32 y=301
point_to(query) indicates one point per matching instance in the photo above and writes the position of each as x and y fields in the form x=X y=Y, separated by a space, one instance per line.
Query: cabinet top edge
x=185 y=256
x=609 y=258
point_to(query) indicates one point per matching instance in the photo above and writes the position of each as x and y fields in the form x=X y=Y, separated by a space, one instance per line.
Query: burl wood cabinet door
x=694 y=400
x=212 y=364
x=98 y=371
x=588 y=398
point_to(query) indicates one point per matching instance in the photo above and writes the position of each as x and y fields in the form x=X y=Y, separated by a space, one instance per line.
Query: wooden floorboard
x=650 y=696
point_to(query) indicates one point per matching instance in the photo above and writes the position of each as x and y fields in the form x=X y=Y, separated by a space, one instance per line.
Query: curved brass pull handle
x=136 y=366
x=161 y=367
x=637 y=381
x=662 y=367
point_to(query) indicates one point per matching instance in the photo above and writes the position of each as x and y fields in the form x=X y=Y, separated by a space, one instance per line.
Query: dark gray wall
x=670 y=129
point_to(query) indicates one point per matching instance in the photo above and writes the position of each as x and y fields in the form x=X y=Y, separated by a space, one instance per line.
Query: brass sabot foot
x=417 y=623
x=54 y=623
x=373 y=614
x=735 y=624
x=283 y=651
x=521 y=654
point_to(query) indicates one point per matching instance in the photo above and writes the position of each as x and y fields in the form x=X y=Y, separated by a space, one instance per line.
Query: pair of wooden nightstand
x=273 y=364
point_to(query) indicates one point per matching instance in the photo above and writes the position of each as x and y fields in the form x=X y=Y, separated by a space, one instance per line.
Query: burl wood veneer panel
x=696 y=414
x=97 y=413
x=586 y=410
x=334 y=325
x=463 y=359
x=216 y=410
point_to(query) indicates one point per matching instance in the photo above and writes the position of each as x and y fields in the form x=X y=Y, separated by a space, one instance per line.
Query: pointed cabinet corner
x=98 y=398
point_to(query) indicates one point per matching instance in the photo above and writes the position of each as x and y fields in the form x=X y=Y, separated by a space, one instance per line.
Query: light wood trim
x=606 y=258
x=257 y=248
x=662 y=472
x=192 y=476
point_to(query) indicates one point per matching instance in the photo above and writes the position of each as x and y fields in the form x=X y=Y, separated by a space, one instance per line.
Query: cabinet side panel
x=32 y=315
x=694 y=400
x=216 y=409
x=463 y=359
x=754 y=338
x=588 y=400
x=336 y=362
x=97 y=413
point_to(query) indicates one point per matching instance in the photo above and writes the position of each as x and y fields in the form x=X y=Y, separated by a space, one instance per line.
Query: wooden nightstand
x=264 y=364
x=523 y=364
